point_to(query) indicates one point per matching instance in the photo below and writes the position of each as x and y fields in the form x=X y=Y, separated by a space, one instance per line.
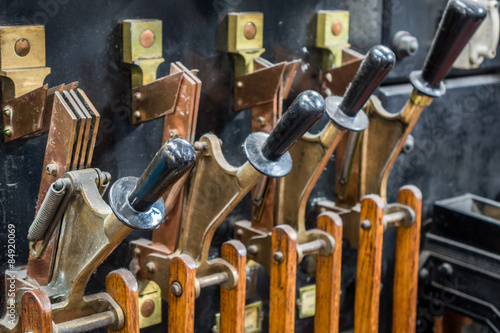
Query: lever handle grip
x=304 y=112
x=460 y=20
x=170 y=163
x=376 y=65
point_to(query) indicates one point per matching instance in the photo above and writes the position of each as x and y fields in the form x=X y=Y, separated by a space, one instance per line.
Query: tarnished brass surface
x=22 y=72
x=254 y=316
x=245 y=49
x=215 y=189
x=144 y=55
x=149 y=303
x=332 y=35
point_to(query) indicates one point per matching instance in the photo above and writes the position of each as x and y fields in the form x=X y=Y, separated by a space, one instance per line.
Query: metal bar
x=392 y=219
x=213 y=279
x=84 y=324
x=312 y=247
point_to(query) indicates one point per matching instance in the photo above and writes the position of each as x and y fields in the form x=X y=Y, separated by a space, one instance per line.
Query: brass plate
x=132 y=48
x=253 y=318
x=236 y=40
x=307 y=301
x=9 y=35
x=149 y=291
x=324 y=34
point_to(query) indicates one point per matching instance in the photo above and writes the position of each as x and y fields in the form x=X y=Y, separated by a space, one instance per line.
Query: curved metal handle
x=376 y=65
x=170 y=163
x=460 y=20
x=304 y=112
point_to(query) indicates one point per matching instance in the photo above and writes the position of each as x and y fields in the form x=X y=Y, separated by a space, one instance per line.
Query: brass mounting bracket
x=244 y=40
x=332 y=35
x=22 y=72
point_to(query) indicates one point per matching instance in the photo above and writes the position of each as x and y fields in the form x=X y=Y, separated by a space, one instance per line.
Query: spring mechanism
x=48 y=209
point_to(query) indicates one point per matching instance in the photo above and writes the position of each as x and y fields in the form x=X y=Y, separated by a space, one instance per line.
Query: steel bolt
x=7 y=131
x=150 y=267
x=279 y=256
x=51 y=169
x=22 y=47
x=138 y=96
x=404 y=44
x=446 y=270
x=409 y=144
x=176 y=289
x=7 y=110
x=137 y=114
x=173 y=134
x=252 y=250
x=366 y=225
x=239 y=84
x=329 y=77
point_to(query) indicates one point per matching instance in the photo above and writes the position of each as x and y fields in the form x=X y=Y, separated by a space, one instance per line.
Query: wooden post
x=122 y=286
x=283 y=279
x=326 y=319
x=371 y=232
x=232 y=302
x=406 y=265
x=36 y=312
x=181 y=303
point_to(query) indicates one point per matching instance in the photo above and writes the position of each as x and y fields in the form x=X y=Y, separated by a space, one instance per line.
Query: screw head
x=137 y=114
x=173 y=134
x=239 y=84
x=329 y=77
x=252 y=250
x=239 y=233
x=328 y=92
x=7 y=131
x=336 y=28
x=250 y=30
x=150 y=267
x=138 y=96
x=7 y=110
x=279 y=256
x=366 y=225
x=137 y=251
x=176 y=289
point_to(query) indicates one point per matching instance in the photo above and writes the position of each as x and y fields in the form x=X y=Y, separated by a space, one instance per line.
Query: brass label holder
x=142 y=49
x=332 y=36
x=22 y=72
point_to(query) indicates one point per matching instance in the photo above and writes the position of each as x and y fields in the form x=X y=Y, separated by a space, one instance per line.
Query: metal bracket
x=332 y=35
x=244 y=40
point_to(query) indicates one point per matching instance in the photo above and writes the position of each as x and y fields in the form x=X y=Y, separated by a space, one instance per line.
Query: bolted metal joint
x=176 y=289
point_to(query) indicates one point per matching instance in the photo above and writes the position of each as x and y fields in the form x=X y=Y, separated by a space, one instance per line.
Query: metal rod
x=213 y=279
x=312 y=247
x=84 y=324
x=392 y=219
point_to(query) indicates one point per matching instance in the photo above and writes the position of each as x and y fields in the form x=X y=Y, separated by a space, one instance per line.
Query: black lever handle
x=376 y=65
x=268 y=153
x=345 y=111
x=169 y=164
x=137 y=202
x=460 y=20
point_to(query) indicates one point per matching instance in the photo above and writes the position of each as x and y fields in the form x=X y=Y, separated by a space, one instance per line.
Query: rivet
x=173 y=134
x=137 y=251
x=51 y=169
x=7 y=110
x=252 y=250
x=261 y=121
x=239 y=84
x=336 y=28
x=7 y=131
x=239 y=233
x=147 y=38
x=138 y=96
x=22 y=47
x=279 y=256
x=250 y=30
x=328 y=77
x=328 y=92
x=366 y=225
x=176 y=289
x=150 y=267
x=137 y=114
x=147 y=308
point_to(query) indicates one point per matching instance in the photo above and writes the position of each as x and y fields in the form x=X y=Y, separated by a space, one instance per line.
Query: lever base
x=253 y=150
x=357 y=123
x=423 y=86
x=118 y=200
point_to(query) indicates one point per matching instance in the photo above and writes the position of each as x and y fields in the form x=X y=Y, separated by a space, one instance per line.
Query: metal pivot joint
x=460 y=20
x=345 y=112
x=268 y=153
x=137 y=202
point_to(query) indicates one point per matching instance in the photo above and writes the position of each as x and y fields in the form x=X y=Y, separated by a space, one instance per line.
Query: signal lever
x=215 y=189
x=311 y=153
x=88 y=231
